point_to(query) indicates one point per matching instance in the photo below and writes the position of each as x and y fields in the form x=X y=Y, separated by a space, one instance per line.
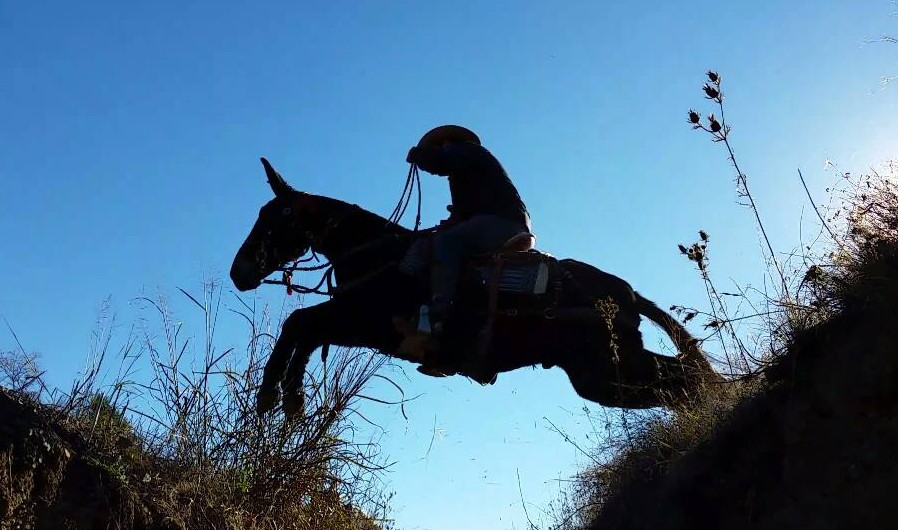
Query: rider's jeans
x=478 y=235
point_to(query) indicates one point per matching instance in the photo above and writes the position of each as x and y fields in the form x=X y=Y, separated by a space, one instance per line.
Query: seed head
x=710 y=91
x=694 y=117
x=713 y=76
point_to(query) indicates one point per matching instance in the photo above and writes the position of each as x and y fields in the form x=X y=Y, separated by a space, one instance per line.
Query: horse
x=589 y=330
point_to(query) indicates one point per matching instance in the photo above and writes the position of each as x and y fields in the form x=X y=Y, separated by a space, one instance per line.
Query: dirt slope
x=46 y=482
x=814 y=445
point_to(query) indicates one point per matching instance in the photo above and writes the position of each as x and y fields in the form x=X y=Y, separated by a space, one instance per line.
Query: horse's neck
x=353 y=227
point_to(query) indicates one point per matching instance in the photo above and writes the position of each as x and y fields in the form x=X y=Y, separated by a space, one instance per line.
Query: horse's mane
x=361 y=216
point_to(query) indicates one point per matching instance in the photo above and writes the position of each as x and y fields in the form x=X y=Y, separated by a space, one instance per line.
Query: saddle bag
x=521 y=272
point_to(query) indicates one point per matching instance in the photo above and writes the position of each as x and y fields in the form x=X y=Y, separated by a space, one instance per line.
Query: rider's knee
x=446 y=246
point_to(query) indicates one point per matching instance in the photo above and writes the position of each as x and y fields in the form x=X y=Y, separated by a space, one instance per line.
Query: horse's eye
x=287 y=211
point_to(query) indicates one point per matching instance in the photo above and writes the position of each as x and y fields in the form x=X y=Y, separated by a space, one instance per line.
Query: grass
x=803 y=434
x=185 y=448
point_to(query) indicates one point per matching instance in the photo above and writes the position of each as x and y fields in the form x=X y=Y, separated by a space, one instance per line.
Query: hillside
x=809 y=439
x=50 y=481
x=183 y=450
x=60 y=473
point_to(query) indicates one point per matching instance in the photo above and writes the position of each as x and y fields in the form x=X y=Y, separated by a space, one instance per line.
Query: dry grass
x=187 y=445
x=804 y=434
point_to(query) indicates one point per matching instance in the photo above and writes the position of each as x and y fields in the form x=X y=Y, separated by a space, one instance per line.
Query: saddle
x=515 y=279
x=517 y=267
x=523 y=269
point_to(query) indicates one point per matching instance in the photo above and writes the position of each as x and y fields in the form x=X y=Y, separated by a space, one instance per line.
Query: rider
x=486 y=209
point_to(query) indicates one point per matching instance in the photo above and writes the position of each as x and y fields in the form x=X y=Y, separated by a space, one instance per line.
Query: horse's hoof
x=294 y=404
x=266 y=401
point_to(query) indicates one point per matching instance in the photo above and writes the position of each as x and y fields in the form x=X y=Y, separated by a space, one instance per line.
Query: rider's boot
x=437 y=362
x=440 y=362
x=438 y=312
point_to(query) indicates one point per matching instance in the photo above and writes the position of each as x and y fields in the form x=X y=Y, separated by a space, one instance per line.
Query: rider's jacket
x=477 y=182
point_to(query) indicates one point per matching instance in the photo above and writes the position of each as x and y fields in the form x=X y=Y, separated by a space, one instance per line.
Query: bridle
x=316 y=240
x=325 y=285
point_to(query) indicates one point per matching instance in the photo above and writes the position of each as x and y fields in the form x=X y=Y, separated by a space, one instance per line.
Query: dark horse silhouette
x=598 y=345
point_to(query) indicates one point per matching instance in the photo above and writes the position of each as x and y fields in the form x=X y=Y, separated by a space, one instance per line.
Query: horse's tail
x=686 y=344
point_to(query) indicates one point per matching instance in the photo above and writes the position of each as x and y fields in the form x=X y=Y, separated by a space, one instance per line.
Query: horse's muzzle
x=245 y=274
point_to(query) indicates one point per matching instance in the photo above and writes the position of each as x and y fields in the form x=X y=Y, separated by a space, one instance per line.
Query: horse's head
x=281 y=234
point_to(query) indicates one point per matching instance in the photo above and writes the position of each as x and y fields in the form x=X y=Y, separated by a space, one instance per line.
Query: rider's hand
x=410 y=158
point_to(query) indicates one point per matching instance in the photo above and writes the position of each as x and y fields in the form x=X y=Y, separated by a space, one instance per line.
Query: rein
x=287 y=279
x=328 y=268
x=412 y=183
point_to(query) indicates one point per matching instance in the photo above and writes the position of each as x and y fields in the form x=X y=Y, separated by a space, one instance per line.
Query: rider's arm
x=447 y=160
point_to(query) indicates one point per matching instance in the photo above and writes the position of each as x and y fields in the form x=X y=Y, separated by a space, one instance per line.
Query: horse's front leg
x=302 y=332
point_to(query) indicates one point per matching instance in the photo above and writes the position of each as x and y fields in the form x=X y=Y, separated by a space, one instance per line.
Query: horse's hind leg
x=637 y=380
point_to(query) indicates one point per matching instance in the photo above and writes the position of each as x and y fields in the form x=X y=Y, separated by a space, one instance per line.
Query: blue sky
x=131 y=135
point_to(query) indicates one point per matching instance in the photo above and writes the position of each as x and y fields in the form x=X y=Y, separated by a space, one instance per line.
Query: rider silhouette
x=486 y=209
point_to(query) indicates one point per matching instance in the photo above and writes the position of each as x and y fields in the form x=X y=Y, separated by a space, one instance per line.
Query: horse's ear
x=278 y=185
